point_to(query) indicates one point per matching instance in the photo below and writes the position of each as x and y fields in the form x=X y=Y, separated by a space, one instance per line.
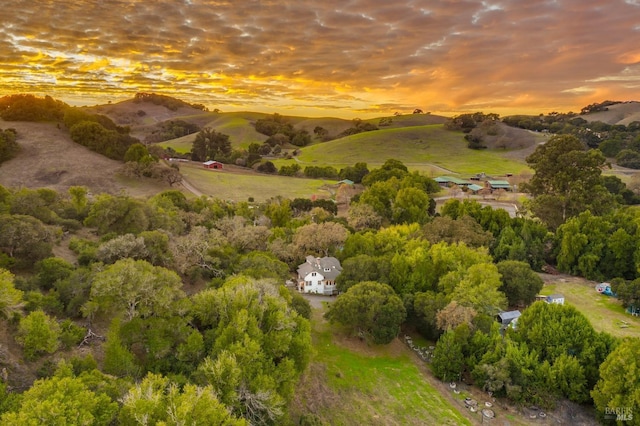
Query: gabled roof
x=346 y=181
x=447 y=179
x=475 y=187
x=499 y=183
x=317 y=264
x=509 y=315
x=210 y=162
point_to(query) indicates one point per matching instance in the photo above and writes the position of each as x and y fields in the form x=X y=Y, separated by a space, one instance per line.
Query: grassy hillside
x=622 y=113
x=605 y=313
x=349 y=382
x=48 y=158
x=235 y=184
x=428 y=148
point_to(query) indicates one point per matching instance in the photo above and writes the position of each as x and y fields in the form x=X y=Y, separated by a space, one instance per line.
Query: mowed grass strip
x=419 y=147
x=227 y=185
x=604 y=312
x=362 y=385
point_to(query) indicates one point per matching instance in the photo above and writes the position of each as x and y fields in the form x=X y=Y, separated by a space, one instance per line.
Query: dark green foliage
x=299 y=205
x=327 y=172
x=210 y=145
x=363 y=268
x=354 y=173
x=519 y=283
x=168 y=102
x=8 y=145
x=448 y=358
x=31 y=108
x=262 y=265
x=51 y=270
x=474 y=141
x=290 y=170
x=370 y=309
x=171 y=129
x=628 y=292
x=599 y=247
x=119 y=214
x=359 y=126
x=71 y=334
x=611 y=147
x=556 y=330
x=619 y=381
x=301 y=138
x=25 y=239
x=328 y=205
x=467 y=122
x=628 y=158
x=300 y=305
x=118 y=360
x=566 y=181
x=267 y=167
x=96 y=137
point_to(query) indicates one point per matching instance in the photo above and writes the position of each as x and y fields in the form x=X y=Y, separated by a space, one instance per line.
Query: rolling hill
x=428 y=148
x=621 y=113
x=48 y=158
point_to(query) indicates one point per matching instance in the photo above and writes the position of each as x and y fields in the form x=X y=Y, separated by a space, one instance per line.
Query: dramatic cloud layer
x=332 y=57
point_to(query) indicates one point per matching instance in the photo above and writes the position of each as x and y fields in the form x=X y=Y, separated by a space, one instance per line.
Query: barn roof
x=499 y=183
x=447 y=179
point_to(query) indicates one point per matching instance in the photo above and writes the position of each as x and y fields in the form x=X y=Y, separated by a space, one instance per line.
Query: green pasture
x=604 y=312
x=429 y=148
x=238 y=125
x=379 y=387
x=239 y=187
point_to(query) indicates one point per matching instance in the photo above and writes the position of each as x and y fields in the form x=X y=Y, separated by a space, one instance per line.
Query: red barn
x=212 y=164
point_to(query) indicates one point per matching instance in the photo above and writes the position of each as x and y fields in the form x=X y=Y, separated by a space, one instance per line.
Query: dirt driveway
x=316 y=299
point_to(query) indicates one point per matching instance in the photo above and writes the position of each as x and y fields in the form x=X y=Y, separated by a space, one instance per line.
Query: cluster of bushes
x=8 y=145
x=327 y=172
x=467 y=122
x=168 y=102
x=31 y=108
x=358 y=126
x=171 y=129
x=281 y=132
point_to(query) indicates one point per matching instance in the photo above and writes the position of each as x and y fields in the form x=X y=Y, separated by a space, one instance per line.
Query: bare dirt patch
x=48 y=158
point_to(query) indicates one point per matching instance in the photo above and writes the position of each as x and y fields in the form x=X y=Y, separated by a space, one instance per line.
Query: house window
x=313 y=274
x=307 y=283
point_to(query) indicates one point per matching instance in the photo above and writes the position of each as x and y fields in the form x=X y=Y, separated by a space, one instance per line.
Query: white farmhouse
x=318 y=275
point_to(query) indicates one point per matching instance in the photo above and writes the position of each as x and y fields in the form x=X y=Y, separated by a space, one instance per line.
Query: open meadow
x=350 y=383
x=430 y=149
x=604 y=312
x=238 y=184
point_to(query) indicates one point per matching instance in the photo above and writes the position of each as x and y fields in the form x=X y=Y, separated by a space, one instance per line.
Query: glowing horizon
x=363 y=59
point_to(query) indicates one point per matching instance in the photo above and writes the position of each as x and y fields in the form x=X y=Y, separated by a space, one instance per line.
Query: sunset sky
x=342 y=58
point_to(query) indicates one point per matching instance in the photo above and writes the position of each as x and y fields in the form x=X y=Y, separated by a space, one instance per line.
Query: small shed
x=473 y=188
x=508 y=317
x=555 y=298
x=212 y=164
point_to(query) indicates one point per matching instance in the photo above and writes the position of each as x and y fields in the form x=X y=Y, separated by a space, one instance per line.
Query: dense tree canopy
x=371 y=309
x=566 y=180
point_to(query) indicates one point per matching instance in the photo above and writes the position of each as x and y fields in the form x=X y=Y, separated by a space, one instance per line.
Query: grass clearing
x=427 y=148
x=349 y=382
x=604 y=312
x=228 y=184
